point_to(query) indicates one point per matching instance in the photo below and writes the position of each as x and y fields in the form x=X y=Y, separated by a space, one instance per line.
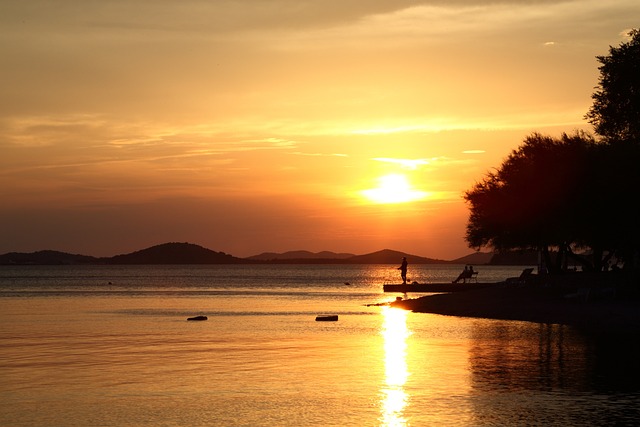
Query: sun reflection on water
x=394 y=397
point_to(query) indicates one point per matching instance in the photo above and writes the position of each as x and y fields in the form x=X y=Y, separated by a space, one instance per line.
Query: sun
x=394 y=188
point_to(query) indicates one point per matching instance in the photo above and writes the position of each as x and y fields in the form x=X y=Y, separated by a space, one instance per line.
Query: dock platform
x=434 y=287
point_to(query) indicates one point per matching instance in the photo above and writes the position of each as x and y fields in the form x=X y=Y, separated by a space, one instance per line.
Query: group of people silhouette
x=467 y=273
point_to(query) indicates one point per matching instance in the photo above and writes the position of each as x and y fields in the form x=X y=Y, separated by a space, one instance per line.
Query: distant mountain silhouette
x=189 y=253
x=298 y=255
x=478 y=258
x=175 y=253
x=388 y=256
x=46 y=257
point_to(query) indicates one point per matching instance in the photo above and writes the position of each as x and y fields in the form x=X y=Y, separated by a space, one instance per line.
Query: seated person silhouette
x=467 y=273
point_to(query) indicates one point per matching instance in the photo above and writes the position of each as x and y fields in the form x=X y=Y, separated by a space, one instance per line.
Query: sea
x=111 y=346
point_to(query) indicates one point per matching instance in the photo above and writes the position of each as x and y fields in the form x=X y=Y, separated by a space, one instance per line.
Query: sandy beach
x=551 y=305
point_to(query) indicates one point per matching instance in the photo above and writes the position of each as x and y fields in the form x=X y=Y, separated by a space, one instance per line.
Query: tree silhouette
x=573 y=192
x=533 y=201
x=615 y=113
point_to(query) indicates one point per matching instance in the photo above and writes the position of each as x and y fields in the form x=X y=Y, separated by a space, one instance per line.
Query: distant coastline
x=509 y=300
x=189 y=253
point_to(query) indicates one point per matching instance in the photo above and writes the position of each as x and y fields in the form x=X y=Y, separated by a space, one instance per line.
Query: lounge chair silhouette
x=522 y=279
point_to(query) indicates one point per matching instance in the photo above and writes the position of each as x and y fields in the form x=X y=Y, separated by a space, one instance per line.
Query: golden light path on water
x=394 y=397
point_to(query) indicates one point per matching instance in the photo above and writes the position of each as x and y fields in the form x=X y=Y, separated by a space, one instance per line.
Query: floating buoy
x=198 y=318
x=330 y=318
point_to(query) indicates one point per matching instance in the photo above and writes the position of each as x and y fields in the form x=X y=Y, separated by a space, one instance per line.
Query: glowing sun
x=394 y=188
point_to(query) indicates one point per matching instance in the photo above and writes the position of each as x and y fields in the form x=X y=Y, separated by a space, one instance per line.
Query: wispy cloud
x=300 y=153
x=404 y=163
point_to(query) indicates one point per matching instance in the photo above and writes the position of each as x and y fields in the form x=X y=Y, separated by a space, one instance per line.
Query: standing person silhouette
x=403 y=270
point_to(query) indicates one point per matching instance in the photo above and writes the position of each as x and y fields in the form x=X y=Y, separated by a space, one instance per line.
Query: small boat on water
x=198 y=318
x=327 y=318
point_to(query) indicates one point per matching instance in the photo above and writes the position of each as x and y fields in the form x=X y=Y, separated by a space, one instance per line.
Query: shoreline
x=531 y=303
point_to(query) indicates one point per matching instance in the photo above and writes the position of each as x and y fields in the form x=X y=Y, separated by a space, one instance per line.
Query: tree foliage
x=615 y=113
x=560 y=193
x=532 y=200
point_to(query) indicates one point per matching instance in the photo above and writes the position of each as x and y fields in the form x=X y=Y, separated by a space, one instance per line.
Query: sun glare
x=395 y=398
x=394 y=188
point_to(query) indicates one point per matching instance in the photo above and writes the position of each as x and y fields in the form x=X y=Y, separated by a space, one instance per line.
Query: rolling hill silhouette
x=46 y=257
x=388 y=256
x=270 y=256
x=175 y=253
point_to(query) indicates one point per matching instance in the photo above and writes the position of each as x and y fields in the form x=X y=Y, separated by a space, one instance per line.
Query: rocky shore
x=602 y=310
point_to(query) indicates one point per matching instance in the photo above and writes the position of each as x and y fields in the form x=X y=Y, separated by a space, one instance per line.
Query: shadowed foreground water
x=76 y=351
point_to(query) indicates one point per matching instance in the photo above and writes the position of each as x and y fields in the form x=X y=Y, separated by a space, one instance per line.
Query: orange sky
x=266 y=125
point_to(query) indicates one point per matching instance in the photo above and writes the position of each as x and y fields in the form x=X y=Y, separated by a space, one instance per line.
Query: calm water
x=110 y=346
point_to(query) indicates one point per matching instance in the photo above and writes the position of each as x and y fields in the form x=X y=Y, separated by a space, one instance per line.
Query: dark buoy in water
x=329 y=318
x=198 y=318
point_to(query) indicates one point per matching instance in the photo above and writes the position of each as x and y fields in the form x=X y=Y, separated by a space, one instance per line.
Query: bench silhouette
x=468 y=275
